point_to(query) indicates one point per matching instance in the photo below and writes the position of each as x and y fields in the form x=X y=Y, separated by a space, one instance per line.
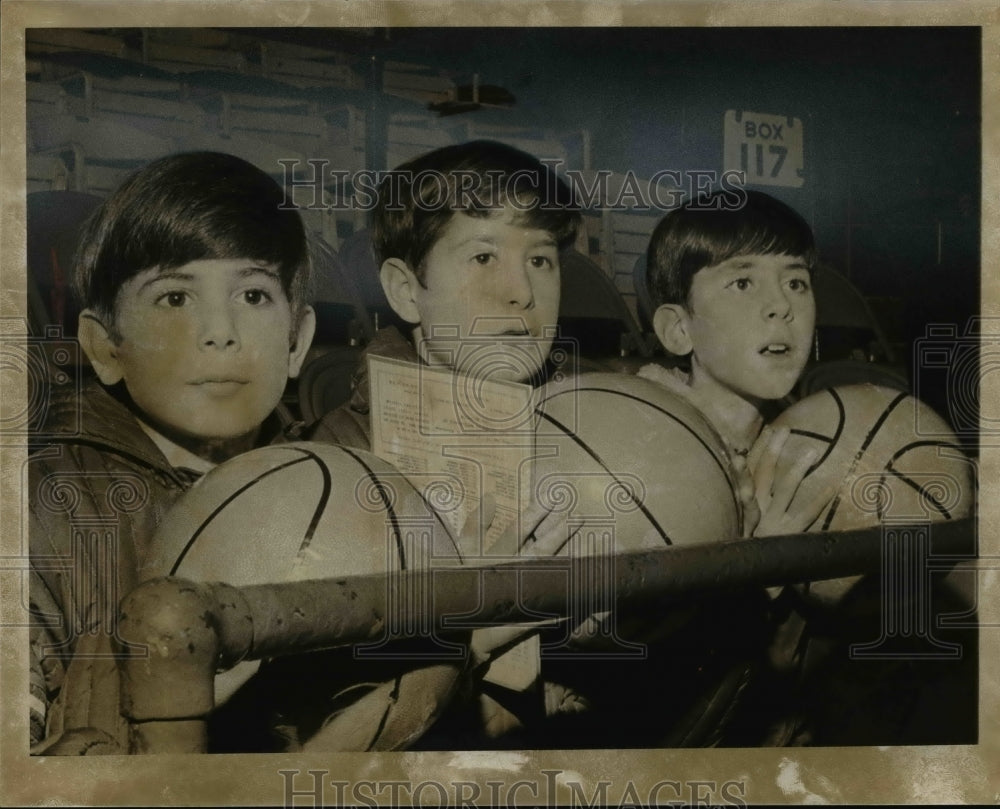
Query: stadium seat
x=54 y=221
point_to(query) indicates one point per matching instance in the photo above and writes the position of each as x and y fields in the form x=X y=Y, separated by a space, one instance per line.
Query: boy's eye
x=542 y=262
x=482 y=258
x=255 y=297
x=173 y=299
x=742 y=284
x=798 y=284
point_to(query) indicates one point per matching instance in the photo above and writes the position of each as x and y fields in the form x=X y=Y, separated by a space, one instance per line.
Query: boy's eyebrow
x=738 y=263
x=256 y=269
x=177 y=275
x=167 y=275
x=546 y=241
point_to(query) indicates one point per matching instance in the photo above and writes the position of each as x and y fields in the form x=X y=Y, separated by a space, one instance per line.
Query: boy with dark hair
x=193 y=282
x=467 y=239
x=730 y=277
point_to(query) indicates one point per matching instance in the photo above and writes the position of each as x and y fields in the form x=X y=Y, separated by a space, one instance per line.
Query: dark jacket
x=98 y=489
x=350 y=424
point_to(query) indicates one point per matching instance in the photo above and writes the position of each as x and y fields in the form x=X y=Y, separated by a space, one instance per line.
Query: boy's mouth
x=776 y=350
x=218 y=380
x=219 y=386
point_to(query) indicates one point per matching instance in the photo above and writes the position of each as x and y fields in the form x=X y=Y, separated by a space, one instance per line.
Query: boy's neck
x=197 y=454
x=737 y=420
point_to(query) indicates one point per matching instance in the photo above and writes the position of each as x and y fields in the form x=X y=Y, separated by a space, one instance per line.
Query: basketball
x=307 y=510
x=624 y=452
x=298 y=511
x=888 y=455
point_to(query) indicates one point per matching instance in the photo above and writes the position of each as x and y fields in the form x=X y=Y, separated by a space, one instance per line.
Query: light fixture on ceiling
x=471 y=97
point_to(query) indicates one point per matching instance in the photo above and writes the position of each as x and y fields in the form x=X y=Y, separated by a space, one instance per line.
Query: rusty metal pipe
x=181 y=630
x=191 y=630
x=322 y=613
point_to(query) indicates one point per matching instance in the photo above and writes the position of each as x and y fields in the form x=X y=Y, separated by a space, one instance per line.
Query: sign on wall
x=766 y=148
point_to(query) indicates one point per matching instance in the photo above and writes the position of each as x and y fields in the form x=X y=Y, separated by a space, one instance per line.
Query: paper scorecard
x=466 y=444
x=462 y=440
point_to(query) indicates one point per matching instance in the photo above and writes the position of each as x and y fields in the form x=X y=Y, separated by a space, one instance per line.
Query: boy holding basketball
x=730 y=276
x=467 y=240
x=193 y=281
x=731 y=279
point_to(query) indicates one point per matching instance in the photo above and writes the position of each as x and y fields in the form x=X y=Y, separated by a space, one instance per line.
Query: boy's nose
x=219 y=332
x=517 y=288
x=778 y=306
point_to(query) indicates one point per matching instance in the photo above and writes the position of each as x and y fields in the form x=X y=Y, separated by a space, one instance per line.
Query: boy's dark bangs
x=562 y=223
x=263 y=235
x=479 y=178
x=755 y=233
x=532 y=210
x=187 y=207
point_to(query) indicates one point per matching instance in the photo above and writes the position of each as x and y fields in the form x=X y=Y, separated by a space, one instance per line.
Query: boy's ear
x=304 y=333
x=670 y=322
x=95 y=339
x=400 y=285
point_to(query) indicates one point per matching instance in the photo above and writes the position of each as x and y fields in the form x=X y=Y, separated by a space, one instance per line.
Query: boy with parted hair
x=730 y=277
x=194 y=285
x=193 y=281
x=467 y=240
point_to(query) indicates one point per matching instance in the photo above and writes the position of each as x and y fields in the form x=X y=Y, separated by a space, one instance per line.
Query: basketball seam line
x=698 y=438
x=831 y=442
x=600 y=461
x=323 y=499
x=380 y=488
x=864 y=446
x=841 y=420
x=659 y=409
x=226 y=502
x=878 y=424
x=921 y=490
x=811 y=434
x=393 y=697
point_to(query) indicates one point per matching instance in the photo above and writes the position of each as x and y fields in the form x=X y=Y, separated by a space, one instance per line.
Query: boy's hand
x=774 y=494
x=747 y=494
x=539 y=532
x=545 y=531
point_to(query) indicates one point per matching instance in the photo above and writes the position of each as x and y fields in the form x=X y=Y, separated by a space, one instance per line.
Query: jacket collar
x=388 y=342
x=99 y=418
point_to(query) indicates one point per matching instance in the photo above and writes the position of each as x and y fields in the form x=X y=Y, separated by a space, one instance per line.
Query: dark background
x=891 y=120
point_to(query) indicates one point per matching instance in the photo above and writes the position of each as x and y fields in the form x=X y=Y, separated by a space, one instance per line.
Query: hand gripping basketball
x=884 y=455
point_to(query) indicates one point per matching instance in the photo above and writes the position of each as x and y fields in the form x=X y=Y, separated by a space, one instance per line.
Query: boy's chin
x=771 y=393
x=499 y=373
x=775 y=386
x=501 y=364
